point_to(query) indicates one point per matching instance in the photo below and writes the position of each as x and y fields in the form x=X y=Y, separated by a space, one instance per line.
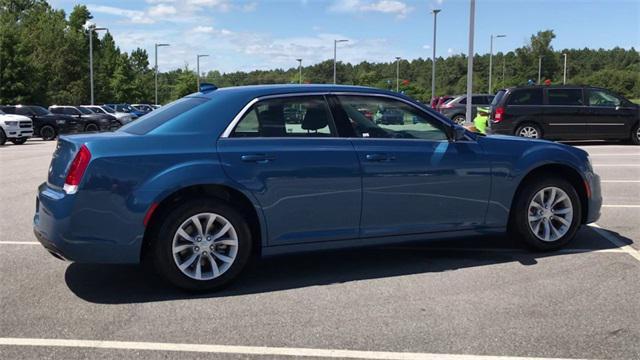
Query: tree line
x=44 y=59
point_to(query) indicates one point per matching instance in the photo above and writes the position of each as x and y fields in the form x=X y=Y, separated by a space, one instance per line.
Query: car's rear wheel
x=202 y=245
x=3 y=137
x=546 y=214
x=47 y=132
x=459 y=119
x=91 y=128
x=530 y=131
x=635 y=134
x=19 y=141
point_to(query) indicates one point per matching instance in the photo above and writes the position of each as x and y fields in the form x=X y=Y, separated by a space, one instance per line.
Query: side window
x=57 y=110
x=479 y=100
x=379 y=117
x=602 y=98
x=463 y=101
x=23 y=111
x=526 y=97
x=297 y=116
x=565 y=96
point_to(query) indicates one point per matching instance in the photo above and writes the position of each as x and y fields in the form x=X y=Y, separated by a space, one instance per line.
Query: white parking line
x=621 y=206
x=620 y=181
x=615 y=241
x=616 y=165
x=19 y=243
x=252 y=350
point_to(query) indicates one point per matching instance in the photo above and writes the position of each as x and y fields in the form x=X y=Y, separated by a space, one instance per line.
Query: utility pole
x=491 y=60
x=198 y=68
x=397 y=73
x=92 y=27
x=539 y=69
x=433 y=56
x=472 y=17
x=299 y=70
x=335 y=45
x=156 y=69
x=564 y=77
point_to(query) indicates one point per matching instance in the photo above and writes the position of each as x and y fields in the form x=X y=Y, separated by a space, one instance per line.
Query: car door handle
x=257 y=158
x=379 y=157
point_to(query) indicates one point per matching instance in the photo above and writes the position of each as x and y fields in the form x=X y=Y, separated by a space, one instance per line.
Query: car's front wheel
x=635 y=134
x=531 y=131
x=47 y=132
x=546 y=214
x=3 y=137
x=202 y=245
x=19 y=141
x=459 y=119
x=91 y=128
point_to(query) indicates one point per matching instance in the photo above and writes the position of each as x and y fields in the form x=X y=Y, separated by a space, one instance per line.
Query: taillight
x=76 y=170
x=497 y=117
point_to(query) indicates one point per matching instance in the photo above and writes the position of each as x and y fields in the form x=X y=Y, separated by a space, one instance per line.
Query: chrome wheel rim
x=459 y=120
x=638 y=133
x=550 y=214
x=529 y=132
x=47 y=133
x=205 y=246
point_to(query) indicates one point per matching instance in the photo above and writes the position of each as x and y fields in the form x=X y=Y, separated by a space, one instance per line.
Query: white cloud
x=426 y=47
x=397 y=7
x=248 y=7
x=203 y=29
x=161 y=10
x=135 y=16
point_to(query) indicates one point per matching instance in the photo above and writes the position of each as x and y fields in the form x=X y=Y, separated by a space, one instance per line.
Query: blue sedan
x=202 y=185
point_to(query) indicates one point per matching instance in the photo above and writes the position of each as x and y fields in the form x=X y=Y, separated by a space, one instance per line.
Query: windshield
x=84 y=110
x=2 y=112
x=39 y=110
x=107 y=109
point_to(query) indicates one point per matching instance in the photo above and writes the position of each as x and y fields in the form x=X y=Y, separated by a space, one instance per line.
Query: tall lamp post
x=398 y=73
x=156 y=68
x=433 y=56
x=198 y=68
x=491 y=59
x=539 y=69
x=472 y=19
x=564 y=77
x=335 y=45
x=299 y=70
x=92 y=27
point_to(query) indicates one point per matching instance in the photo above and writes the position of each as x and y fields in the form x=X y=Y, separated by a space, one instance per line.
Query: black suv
x=564 y=113
x=45 y=124
x=91 y=121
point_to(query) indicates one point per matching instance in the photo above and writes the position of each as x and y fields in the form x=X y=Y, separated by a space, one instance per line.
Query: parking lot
x=475 y=297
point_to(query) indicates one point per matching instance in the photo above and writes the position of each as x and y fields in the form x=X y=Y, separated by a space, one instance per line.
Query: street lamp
x=397 y=73
x=156 y=68
x=299 y=70
x=92 y=27
x=335 y=45
x=198 y=68
x=564 y=77
x=491 y=60
x=433 y=57
x=472 y=22
x=539 y=69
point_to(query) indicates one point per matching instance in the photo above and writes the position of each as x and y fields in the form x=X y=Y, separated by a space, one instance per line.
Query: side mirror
x=458 y=133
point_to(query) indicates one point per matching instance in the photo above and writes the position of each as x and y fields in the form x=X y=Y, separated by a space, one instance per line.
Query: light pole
x=92 y=27
x=564 y=77
x=539 y=69
x=472 y=19
x=198 y=68
x=156 y=68
x=335 y=45
x=503 y=68
x=299 y=70
x=433 y=57
x=491 y=60
x=397 y=73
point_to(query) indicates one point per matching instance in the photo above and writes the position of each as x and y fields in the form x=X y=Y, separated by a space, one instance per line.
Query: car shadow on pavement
x=123 y=284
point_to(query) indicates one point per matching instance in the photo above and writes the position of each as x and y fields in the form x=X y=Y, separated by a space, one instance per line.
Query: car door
x=305 y=177
x=565 y=112
x=414 y=180
x=609 y=116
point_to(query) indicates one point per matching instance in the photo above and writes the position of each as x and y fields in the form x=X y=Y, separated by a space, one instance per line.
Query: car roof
x=266 y=90
x=568 y=86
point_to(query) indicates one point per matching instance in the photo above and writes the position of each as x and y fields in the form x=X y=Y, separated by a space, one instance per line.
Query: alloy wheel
x=550 y=214
x=529 y=132
x=205 y=246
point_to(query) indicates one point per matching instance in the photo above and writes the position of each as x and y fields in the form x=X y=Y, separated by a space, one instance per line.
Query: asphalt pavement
x=459 y=299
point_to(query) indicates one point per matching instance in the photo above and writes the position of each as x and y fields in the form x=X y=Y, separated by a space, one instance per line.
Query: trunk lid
x=64 y=154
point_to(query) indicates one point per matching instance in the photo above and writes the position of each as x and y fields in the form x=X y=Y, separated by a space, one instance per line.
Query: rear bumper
x=501 y=128
x=71 y=231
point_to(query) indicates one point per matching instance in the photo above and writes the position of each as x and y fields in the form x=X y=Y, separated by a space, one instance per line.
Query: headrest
x=272 y=122
x=315 y=118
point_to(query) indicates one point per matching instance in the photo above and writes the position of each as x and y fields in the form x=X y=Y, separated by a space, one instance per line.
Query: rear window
x=162 y=115
x=526 y=97
x=498 y=97
x=565 y=96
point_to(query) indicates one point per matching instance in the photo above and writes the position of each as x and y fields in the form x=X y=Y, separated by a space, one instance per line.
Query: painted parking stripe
x=615 y=241
x=621 y=206
x=19 y=243
x=616 y=165
x=252 y=350
x=619 y=181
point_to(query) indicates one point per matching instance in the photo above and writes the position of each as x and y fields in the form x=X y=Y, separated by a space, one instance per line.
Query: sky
x=245 y=35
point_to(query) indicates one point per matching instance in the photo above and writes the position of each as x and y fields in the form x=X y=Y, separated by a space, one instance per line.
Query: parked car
x=15 y=128
x=127 y=109
x=122 y=117
x=200 y=205
x=389 y=116
x=443 y=100
x=456 y=108
x=45 y=124
x=565 y=113
x=91 y=121
x=146 y=108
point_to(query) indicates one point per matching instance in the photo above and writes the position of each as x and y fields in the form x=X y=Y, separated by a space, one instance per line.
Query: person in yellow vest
x=481 y=120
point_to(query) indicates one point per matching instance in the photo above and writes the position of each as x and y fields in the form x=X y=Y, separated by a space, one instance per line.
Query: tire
x=635 y=134
x=19 y=141
x=47 y=132
x=181 y=218
x=91 y=127
x=459 y=119
x=541 y=190
x=3 y=137
x=531 y=131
